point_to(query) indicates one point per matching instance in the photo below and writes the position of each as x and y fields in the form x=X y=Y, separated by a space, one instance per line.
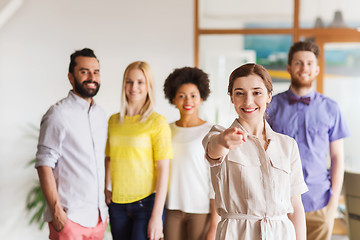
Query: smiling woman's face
x=250 y=98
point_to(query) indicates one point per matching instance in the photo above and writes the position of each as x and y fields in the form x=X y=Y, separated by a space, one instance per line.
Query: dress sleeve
x=52 y=134
x=215 y=130
x=298 y=185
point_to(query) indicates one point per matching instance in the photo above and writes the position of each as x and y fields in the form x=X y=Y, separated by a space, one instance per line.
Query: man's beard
x=297 y=83
x=83 y=91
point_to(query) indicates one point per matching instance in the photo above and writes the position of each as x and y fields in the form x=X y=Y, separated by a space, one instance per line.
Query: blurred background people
x=190 y=210
x=316 y=123
x=137 y=160
x=70 y=156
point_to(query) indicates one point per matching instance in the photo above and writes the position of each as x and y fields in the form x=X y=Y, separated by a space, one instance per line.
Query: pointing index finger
x=240 y=132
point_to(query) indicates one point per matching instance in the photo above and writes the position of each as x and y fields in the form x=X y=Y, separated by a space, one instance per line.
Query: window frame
x=321 y=36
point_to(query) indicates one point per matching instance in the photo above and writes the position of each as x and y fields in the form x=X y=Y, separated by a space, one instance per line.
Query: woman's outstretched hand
x=232 y=138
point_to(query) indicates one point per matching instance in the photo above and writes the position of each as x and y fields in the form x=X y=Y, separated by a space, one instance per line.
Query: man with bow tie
x=316 y=123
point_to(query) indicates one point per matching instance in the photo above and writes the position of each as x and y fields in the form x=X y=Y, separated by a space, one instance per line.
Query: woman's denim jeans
x=129 y=221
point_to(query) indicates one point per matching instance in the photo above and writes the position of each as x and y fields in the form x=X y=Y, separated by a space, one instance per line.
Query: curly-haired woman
x=190 y=211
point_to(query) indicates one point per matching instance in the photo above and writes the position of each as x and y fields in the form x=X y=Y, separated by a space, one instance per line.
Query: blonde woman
x=137 y=160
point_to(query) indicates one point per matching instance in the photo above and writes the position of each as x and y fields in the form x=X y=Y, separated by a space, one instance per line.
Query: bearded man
x=70 y=156
x=317 y=125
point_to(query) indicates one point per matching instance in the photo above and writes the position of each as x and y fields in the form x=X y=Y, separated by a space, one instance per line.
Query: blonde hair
x=148 y=107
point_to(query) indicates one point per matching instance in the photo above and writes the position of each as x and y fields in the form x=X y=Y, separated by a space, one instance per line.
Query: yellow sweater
x=133 y=148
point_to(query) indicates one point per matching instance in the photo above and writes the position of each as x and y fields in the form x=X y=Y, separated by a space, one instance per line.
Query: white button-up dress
x=253 y=187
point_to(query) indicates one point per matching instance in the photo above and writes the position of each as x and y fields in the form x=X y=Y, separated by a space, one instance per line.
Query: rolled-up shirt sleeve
x=215 y=130
x=52 y=134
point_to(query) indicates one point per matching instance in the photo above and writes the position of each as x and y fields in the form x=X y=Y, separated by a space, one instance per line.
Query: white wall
x=35 y=45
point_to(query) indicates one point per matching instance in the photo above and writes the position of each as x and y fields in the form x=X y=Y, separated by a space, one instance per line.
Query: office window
x=342 y=83
x=221 y=54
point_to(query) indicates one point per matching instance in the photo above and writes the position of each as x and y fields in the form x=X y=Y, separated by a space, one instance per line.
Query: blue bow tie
x=294 y=100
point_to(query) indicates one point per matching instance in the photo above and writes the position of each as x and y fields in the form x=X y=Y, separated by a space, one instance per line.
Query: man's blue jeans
x=130 y=221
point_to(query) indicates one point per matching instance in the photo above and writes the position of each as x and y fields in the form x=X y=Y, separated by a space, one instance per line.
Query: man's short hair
x=303 y=46
x=85 y=52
